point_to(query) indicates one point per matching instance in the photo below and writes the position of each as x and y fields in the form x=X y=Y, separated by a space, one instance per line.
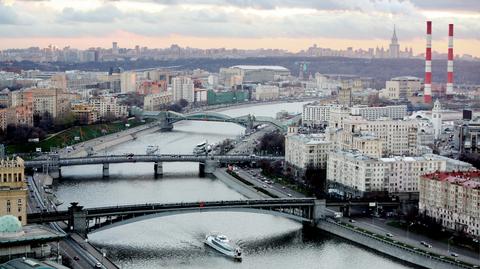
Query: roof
x=22 y=263
x=261 y=67
x=31 y=234
x=405 y=78
x=470 y=179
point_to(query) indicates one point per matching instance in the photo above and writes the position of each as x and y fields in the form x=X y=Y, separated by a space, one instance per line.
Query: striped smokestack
x=427 y=92
x=449 y=91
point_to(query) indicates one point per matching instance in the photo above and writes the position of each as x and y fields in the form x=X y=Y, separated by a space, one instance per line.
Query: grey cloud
x=7 y=15
x=104 y=14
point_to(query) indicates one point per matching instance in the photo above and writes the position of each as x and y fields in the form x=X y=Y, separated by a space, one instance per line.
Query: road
x=68 y=246
x=379 y=226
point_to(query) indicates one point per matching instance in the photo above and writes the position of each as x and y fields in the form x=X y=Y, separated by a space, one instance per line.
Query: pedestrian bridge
x=88 y=220
x=207 y=163
x=168 y=118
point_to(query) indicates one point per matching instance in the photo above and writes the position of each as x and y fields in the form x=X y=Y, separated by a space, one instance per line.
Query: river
x=177 y=241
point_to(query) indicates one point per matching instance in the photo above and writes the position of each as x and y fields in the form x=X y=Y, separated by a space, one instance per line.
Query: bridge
x=87 y=220
x=207 y=163
x=168 y=118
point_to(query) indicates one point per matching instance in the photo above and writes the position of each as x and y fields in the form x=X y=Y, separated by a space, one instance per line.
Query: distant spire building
x=394 y=49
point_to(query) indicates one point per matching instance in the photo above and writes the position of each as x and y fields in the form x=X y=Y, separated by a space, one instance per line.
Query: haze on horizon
x=285 y=24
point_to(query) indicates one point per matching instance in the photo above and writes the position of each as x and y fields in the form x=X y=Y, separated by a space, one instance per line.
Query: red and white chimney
x=449 y=91
x=427 y=92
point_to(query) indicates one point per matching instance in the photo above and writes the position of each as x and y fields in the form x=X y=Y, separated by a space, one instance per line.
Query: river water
x=177 y=241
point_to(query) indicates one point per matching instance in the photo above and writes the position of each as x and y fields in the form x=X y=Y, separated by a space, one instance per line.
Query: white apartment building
x=153 y=102
x=316 y=114
x=302 y=151
x=400 y=88
x=399 y=136
x=183 y=88
x=452 y=199
x=128 y=82
x=107 y=107
x=373 y=113
x=266 y=92
x=355 y=173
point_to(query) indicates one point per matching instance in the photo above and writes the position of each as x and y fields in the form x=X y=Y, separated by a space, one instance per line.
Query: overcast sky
x=286 y=24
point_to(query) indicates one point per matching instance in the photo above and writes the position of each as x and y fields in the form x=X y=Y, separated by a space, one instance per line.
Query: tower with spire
x=394 y=49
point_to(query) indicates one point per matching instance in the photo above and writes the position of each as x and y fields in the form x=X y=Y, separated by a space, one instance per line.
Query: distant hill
x=380 y=69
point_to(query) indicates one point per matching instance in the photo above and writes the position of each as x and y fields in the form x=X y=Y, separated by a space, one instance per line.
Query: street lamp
x=408 y=228
x=448 y=244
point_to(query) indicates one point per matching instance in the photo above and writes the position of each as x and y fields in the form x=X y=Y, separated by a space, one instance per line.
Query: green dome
x=10 y=224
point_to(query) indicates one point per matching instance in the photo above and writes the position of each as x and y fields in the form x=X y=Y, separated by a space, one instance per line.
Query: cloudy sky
x=286 y=24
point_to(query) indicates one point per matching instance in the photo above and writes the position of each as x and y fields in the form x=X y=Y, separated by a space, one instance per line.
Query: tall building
x=183 y=88
x=13 y=189
x=452 y=200
x=114 y=48
x=344 y=97
x=401 y=88
x=394 y=46
x=128 y=82
x=437 y=119
x=399 y=137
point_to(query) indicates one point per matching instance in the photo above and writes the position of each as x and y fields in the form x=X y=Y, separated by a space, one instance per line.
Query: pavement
x=379 y=226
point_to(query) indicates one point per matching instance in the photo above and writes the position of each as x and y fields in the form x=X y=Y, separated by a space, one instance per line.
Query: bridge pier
x=207 y=167
x=78 y=220
x=158 y=169
x=165 y=125
x=55 y=172
x=319 y=210
x=105 y=170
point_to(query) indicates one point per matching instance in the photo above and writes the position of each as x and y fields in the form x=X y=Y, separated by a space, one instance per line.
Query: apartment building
x=355 y=173
x=399 y=136
x=183 y=88
x=107 y=106
x=452 y=198
x=153 y=102
x=266 y=92
x=303 y=151
x=13 y=189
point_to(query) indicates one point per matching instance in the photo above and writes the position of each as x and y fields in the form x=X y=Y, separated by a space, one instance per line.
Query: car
x=265 y=186
x=454 y=254
x=98 y=265
x=76 y=258
x=283 y=187
x=389 y=235
x=289 y=195
x=351 y=220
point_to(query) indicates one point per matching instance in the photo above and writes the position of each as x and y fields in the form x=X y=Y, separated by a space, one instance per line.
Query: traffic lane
x=379 y=226
x=256 y=174
x=381 y=223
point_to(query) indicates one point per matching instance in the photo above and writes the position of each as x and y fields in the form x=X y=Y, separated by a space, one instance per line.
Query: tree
x=316 y=178
x=272 y=143
x=175 y=107
x=183 y=103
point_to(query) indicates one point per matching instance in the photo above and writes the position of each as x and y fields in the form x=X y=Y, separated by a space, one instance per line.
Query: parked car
x=454 y=254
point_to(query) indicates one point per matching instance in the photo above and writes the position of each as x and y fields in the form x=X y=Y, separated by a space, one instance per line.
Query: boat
x=221 y=244
x=200 y=149
x=151 y=149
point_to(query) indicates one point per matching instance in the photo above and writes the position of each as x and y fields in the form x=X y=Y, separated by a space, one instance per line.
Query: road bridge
x=86 y=220
x=207 y=163
x=168 y=118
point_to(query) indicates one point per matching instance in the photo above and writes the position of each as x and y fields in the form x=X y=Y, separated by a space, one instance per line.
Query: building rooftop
x=261 y=67
x=405 y=78
x=22 y=263
x=30 y=234
x=470 y=179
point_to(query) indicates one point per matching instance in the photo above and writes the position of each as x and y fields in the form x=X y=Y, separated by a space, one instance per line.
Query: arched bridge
x=168 y=118
x=87 y=220
x=208 y=163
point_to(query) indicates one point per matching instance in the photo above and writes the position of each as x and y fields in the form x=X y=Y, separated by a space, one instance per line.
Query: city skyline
x=233 y=24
